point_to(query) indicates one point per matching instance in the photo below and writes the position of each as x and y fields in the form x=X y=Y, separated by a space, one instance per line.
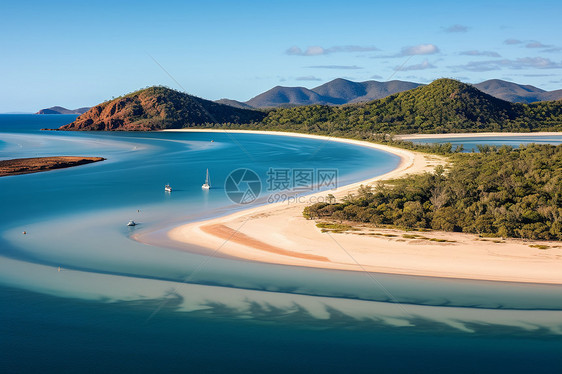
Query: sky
x=76 y=54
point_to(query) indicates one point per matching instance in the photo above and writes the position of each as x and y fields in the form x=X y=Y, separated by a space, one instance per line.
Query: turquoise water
x=471 y=144
x=121 y=305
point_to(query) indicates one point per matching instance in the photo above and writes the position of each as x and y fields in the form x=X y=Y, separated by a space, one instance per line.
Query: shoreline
x=408 y=158
x=410 y=161
x=279 y=234
x=474 y=135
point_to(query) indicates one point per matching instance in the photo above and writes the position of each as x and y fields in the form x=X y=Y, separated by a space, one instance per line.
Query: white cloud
x=536 y=44
x=318 y=50
x=314 y=51
x=308 y=78
x=423 y=66
x=481 y=53
x=310 y=51
x=537 y=62
x=340 y=67
x=533 y=44
x=420 y=49
x=456 y=28
x=352 y=48
x=294 y=50
x=538 y=75
x=519 y=63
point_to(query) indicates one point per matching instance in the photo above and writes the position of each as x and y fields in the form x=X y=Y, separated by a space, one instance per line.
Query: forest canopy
x=498 y=192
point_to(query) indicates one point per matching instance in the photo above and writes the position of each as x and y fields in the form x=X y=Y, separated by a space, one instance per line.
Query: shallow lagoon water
x=471 y=144
x=145 y=308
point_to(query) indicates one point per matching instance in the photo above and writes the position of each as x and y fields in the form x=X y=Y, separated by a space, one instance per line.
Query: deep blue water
x=118 y=305
x=48 y=334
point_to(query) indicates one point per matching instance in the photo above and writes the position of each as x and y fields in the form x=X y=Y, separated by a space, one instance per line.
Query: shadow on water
x=74 y=335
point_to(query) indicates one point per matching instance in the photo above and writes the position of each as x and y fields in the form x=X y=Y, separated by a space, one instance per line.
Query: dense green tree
x=501 y=191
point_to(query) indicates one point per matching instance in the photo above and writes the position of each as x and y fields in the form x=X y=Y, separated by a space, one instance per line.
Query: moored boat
x=207 y=184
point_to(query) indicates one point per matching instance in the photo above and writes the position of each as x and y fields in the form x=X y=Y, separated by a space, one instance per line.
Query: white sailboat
x=207 y=183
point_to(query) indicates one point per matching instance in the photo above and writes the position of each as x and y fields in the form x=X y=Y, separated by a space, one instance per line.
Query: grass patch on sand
x=412 y=236
x=539 y=246
x=334 y=227
x=421 y=237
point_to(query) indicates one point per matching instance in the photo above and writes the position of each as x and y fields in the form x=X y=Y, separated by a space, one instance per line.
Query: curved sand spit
x=278 y=233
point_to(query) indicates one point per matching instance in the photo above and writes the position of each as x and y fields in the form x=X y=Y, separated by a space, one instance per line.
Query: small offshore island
x=38 y=164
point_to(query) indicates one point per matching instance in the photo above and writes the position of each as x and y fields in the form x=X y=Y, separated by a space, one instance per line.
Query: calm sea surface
x=119 y=305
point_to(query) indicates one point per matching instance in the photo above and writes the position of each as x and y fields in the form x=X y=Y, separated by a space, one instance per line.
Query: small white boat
x=207 y=183
x=131 y=223
x=168 y=188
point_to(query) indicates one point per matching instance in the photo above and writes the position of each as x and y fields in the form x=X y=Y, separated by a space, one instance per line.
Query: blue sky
x=73 y=54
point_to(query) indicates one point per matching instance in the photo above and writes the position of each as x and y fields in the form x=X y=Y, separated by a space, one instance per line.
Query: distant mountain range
x=342 y=91
x=337 y=92
x=62 y=110
x=234 y=103
x=517 y=93
x=443 y=106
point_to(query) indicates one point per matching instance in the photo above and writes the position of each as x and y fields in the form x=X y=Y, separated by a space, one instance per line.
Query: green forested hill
x=498 y=192
x=444 y=106
x=157 y=108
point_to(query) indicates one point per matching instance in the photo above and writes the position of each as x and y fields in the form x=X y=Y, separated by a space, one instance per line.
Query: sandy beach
x=279 y=234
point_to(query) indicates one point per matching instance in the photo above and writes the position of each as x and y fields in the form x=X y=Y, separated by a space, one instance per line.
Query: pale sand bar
x=278 y=233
